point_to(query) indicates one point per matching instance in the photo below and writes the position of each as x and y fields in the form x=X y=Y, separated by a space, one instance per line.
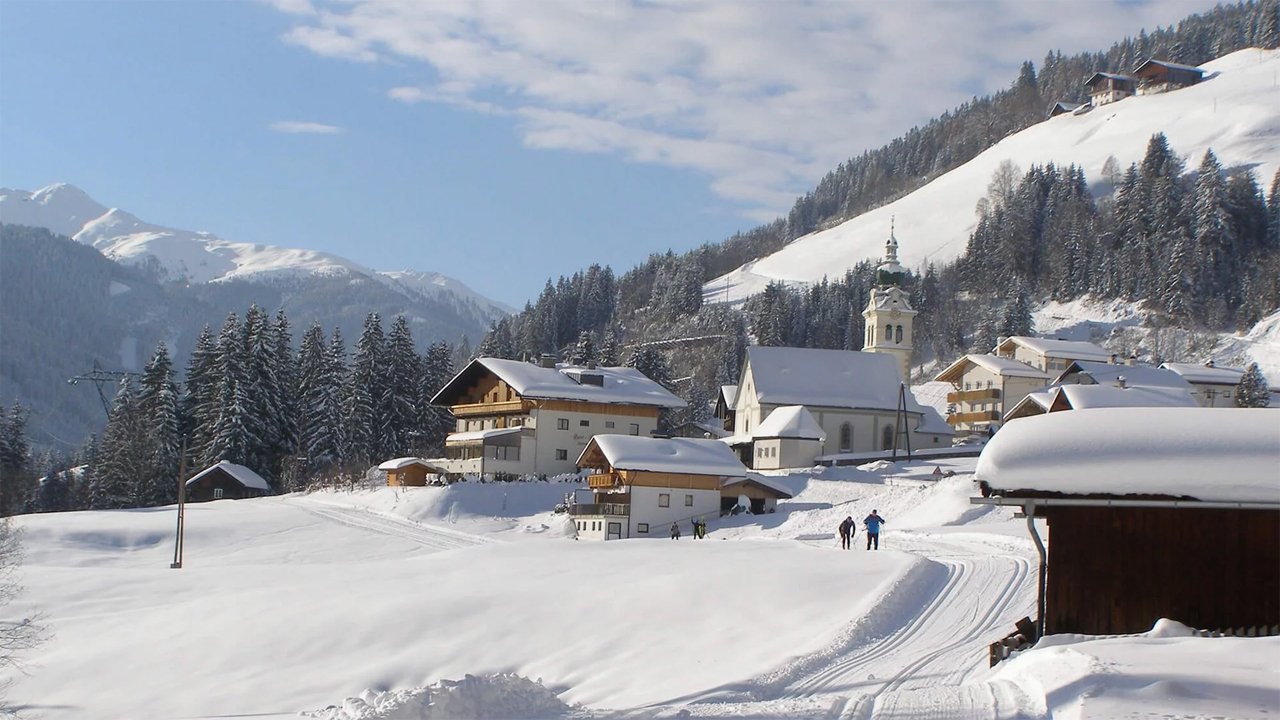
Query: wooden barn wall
x=1118 y=570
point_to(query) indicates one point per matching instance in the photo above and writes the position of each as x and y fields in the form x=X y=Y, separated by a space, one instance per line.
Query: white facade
x=889 y=315
x=986 y=387
x=549 y=443
x=777 y=453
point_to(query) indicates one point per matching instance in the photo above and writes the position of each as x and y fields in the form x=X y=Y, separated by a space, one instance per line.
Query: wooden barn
x=761 y=491
x=408 y=471
x=1157 y=76
x=1151 y=513
x=226 y=481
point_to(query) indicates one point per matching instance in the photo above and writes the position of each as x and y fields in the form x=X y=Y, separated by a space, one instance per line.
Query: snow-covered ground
x=475 y=601
x=1235 y=111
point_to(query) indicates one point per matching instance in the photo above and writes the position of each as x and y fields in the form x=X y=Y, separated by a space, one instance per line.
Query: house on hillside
x=1061 y=108
x=1106 y=88
x=1051 y=355
x=789 y=438
x=986 y=386
x=641 y=485
x=526 y=418
x=852 y=396
x=1154 y=513
x=1110 y=395
x=408 y=471
x=1157 y=76
x=1211 y=386
x=225 y=481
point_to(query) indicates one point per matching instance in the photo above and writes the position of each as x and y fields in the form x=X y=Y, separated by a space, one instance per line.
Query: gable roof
x=1166 y=64
x=729 y=394
x=1134 y=375
x=826 y=378
x=686 y=456
x=790 y=421
x=620 y=385
x=1108 y=76
x=1055 y=348
x=1002 y=366
x=1033 y=403
x=1061 y=107
x=240 y=473
x=1205 y=374
x=763 y=481
x=1084 y=397
x=1206 y=454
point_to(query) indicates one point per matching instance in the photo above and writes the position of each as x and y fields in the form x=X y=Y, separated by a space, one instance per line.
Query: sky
x=504 y=142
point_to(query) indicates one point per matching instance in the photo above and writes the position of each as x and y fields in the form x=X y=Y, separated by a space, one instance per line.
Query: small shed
x=408 y=471
x=789 y=437
x=1157 y=76
x=226 y=481
x=762 y=491
x=1152 y=513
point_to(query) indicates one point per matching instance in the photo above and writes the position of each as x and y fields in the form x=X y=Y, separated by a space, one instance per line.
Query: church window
x=898 y=335
x=886 y=438
x=846 y=437
x=888 y=333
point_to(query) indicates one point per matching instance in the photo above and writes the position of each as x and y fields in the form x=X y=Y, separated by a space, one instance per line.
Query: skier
x=873 y=523
x=846 y=532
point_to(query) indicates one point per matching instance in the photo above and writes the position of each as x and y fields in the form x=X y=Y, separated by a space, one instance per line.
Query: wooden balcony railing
x=973 y=395
x=601 y=481
x=974 y=417
x=614 y=509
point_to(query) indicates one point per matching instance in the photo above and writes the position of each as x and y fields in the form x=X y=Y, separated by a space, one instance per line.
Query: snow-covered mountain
x=202 y=257
x=1235 y=111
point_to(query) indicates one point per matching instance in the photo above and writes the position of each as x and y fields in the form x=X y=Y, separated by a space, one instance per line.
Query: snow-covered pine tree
x=334 y=407
x=15 y=460
x=366 y=388
x=434 y=422
x=318 y=416
x=652 y=364
x=584 y=351
x=200 y=392
x=1273 y=214
x=263 y=395
x=158 y=406
x=610 y=350
x=286 y=371
x=124 y=455
x=404 y=388
x=1252 y=390
x=231 y=438
x=1212 y=231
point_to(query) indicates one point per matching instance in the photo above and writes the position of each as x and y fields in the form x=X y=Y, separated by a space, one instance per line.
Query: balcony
x=971 y=418
x=489 y=408
x=973 y=395
x=601 y=481
x=596 y=509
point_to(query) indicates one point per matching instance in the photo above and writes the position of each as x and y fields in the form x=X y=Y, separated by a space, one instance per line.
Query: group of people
x=872 y=523
x=699 y=529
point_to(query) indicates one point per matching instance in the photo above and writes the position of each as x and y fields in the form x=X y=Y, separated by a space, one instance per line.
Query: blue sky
x=498 y=142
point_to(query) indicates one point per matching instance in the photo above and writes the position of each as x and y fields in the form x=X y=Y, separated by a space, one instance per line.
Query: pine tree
x=584 y=351
x=15 y=461
x=610 y=351
x=434 y=422
x=1273 y=214
x=652 y=364
x=124 y=455
x=1212 y=230
x=158 y=406
x=319 y=402
x=366 y=389
x=404 y=388
x=200 y=391
x=1252 y=390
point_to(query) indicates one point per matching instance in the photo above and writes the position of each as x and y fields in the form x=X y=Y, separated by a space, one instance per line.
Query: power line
x=99 y=378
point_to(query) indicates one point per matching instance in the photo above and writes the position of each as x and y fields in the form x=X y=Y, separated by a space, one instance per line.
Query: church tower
x=889 y=315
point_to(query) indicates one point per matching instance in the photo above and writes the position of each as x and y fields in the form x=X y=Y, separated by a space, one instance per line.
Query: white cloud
x=310 y=128
x=762 y=97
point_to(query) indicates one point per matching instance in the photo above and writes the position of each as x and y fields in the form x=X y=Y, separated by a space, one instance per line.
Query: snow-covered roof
x=474 y=435
x=762 y=480
x=618 y=385
x=1055 y=348
x=1065 y=106
x=242 y=474
x=1134 y=375
x=826 y=378
x=1209 y=454
x=688 y=456
x=1205 y=374
x=730 y=394
x=1084 y=397
x=1039 y=398
x=790 y=421
x=1170 y=65
x=1110 y=76
x=932 y=422
x=1002 y=366
x=404 y=462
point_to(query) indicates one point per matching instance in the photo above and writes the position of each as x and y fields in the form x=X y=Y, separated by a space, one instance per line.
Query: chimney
x=1131 y=360
x=547 y=360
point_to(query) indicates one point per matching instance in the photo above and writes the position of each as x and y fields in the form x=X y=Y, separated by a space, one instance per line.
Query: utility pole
x=182 y=496
x=900 y=422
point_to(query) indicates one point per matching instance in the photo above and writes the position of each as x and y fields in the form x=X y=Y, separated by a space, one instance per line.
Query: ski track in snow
x=429 y=536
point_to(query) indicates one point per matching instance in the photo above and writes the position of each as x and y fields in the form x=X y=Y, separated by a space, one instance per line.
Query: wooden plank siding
x=676 y=481
x=646 y=411
x=1118 y=570
x=407 y=476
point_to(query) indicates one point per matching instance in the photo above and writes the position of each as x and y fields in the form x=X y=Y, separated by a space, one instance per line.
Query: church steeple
x=889 y=314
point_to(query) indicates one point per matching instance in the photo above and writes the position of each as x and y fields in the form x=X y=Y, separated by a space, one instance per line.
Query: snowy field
x=476 y=601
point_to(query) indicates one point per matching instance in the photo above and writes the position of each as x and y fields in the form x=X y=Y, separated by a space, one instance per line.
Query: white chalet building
x=525 y=418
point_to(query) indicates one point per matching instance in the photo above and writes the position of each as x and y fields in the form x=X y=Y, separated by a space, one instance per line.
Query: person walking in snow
x=846 y=532
x=675 y=531
x=873 y=523
x=702 y=529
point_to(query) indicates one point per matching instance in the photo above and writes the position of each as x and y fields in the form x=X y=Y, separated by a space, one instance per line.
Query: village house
x=725 y=401
x=1153 y=513
x=1062 y=108
x=1051 y=355
x=1106 y=88
x=526 y=418
x=1157 y=76
x=853 y=398
x=640 y=485
x=1090 y=384
x=985 y=387
x=225 y=481
x=1211 y=386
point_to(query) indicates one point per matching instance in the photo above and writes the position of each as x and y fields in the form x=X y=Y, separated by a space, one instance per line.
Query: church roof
x=826 y=378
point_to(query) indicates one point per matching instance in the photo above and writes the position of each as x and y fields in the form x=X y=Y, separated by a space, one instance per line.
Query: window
x=608 y=424
x=584 y=423
x=562 y=454
x=886 y=438
x=664 y=500
x=846 y=437
x=688 y=501
x=888 y=333
x=990 y=384
x=217 y=493
x=898 y=335
x=562 y=424
x=642 y=528
x=634 y=429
